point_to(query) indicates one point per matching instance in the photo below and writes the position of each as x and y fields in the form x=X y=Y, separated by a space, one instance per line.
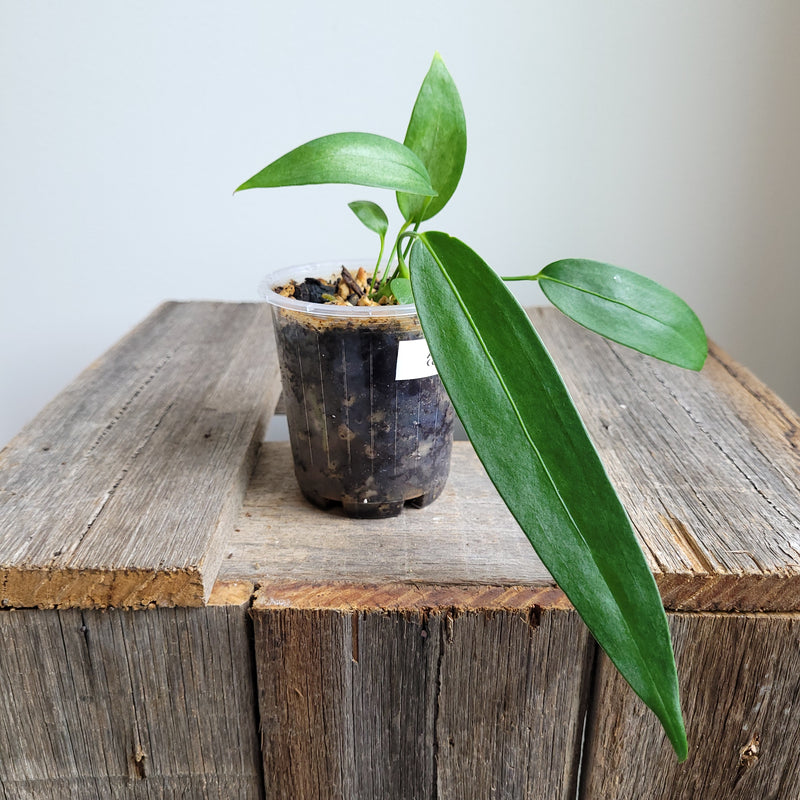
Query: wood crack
x=117 y=482
x=127 y=404
x=687 y=543
x=437 y=704
x=138 y=763
x=354 y=635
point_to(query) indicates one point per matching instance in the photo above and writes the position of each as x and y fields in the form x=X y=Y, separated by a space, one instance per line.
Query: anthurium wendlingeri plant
x=495 y=367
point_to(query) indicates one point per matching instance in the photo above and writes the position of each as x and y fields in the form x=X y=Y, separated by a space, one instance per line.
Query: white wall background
x=661 y=136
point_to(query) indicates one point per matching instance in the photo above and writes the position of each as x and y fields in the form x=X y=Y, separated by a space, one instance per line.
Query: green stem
x=410 y=239
x=522 y=277
x=377 y=266
x=402 y=267
x=395 y=251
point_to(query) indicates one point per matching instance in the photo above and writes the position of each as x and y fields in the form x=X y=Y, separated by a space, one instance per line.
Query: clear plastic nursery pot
x=370 y=424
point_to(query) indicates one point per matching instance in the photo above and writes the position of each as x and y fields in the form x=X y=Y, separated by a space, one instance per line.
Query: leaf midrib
x=643 y=661
x=615 y=301
x=367 y=157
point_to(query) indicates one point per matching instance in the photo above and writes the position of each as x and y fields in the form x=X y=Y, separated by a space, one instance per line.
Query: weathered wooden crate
x=177 y=622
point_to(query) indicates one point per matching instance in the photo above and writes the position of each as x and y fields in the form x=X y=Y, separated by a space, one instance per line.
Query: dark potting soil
x=359 y=436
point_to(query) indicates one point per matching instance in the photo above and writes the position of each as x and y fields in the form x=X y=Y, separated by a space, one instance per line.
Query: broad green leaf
x=372 y=215
x=627 y=308
x=437 y=133
x=526 y=431
x=401 y=289
x=360 y=158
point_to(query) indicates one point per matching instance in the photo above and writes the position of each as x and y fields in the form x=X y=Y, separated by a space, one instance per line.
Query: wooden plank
x=689 y=522
x=514 y=687
x=128 y=704
x=707 y=465
x=466 y=537
x=346 y=597
x=120 y=491
x=740 y=684
x=378 y=696
x=123 y=490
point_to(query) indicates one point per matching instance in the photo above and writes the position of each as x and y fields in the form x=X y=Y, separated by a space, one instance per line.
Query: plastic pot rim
x=324 y=269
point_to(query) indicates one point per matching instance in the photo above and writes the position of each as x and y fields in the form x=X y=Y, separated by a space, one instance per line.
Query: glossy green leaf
x=372 y=215
x=437 y=133
x=627 y=308
x=360 y=158
x=526 y=431
x=401 y=289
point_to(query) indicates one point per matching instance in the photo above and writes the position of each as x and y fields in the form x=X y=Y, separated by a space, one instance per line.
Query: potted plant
x=370 y=423
x=503 y=383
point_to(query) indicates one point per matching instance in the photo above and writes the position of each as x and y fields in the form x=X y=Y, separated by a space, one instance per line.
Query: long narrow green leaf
x=364 y=159
x=535 y=448
x=627 y=308
x=437 y=133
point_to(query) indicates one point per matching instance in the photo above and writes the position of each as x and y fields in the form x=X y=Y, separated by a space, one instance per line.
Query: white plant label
x=413 y=360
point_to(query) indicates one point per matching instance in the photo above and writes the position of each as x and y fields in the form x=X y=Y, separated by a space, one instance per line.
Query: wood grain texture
x=706 y=464
x=128 y=704
x=420 y=704
x=430 y=655
x=466 y=537
x=124 y=488
x=740 y=685
x=348 y=597
x=512 y=702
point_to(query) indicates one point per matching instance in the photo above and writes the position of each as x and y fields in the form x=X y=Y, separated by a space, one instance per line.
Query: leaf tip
x=701 y=361
x=681 y=747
